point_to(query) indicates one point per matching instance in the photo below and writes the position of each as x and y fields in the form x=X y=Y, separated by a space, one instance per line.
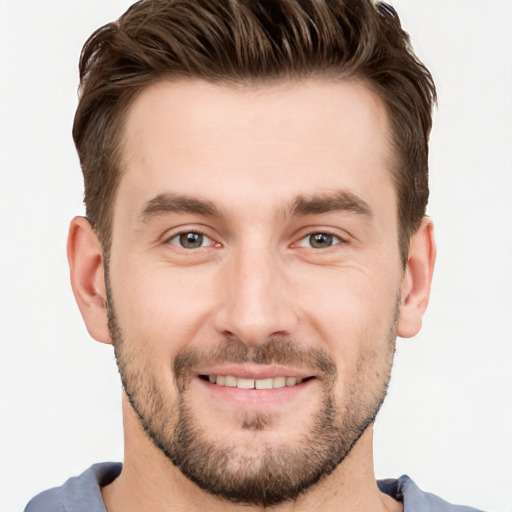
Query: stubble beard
x=275 y=474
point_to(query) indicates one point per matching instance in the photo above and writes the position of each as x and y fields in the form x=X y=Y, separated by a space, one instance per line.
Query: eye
x=191 y=240
x=320 y=241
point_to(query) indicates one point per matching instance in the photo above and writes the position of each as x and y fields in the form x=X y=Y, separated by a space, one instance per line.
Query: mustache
x=274 y=351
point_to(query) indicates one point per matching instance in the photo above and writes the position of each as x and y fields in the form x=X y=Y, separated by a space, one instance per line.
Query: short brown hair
x=248 y=41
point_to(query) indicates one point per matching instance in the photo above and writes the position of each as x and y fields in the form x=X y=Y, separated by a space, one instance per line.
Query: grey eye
x=191 y=240
x=320 y=241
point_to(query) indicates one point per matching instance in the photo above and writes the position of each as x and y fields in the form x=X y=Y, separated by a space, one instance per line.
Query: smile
x=243 y=383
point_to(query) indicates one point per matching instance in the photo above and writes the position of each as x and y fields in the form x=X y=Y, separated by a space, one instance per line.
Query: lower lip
x=256 y=397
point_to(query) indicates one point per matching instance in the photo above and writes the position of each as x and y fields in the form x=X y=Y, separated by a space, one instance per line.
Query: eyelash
x=177 y=240
x=335 y=240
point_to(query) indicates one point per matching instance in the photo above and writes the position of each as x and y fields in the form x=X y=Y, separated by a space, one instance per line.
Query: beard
x=274 y=473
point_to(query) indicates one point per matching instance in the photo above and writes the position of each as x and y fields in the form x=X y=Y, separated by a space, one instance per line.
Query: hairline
x=119 y=153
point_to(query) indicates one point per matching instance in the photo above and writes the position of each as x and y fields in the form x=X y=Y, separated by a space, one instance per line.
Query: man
x=255 y=184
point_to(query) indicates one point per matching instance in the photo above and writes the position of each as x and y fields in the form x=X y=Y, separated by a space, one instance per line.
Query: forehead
x=278 y=140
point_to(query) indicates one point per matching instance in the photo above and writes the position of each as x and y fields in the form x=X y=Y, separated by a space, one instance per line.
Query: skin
x=251 y=152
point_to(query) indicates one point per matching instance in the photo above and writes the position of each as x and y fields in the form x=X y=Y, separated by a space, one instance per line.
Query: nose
x=255 y=298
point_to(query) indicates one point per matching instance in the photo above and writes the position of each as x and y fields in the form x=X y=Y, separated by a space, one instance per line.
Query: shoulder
x=413 y=498
x=78 y=494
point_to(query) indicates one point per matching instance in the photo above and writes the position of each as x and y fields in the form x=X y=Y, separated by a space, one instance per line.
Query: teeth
x=279 y=382
x=245 y=383
x=241 y=383
x=264 y=384
x=291 y=381
x=230 y=381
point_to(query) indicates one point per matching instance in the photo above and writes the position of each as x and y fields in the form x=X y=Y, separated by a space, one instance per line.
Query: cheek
x=352 y=309
x=165 y=307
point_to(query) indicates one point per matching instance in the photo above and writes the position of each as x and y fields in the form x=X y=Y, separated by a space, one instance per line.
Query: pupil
x=191 y=240
x=320 y=240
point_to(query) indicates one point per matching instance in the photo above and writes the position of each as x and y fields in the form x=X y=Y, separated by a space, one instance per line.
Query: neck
x=150 y=482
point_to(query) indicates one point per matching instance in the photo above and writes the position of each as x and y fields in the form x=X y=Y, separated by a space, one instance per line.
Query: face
x=254 y=278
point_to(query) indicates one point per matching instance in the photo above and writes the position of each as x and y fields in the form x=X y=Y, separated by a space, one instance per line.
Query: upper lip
x=255 y=371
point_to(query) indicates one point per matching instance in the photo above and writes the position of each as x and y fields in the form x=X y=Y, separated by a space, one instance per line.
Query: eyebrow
x=172 y=203
x=338 y=200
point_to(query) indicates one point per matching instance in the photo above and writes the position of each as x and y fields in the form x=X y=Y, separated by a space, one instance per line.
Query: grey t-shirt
x=82 y=494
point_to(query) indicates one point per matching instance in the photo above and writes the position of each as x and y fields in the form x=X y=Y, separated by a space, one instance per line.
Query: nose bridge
x=256 y=300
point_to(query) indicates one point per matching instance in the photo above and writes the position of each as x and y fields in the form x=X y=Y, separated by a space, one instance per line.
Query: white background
x=448 y=418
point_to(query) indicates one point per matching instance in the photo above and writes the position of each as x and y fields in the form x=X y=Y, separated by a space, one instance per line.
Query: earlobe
x=417 y=280
x=87 y=277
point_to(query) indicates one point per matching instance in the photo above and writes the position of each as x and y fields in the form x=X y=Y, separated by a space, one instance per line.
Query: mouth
x=253 y=387
x=247 y=383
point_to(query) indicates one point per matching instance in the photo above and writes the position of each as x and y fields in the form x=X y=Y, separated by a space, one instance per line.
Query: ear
x=87 y=277
x=417 y=280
